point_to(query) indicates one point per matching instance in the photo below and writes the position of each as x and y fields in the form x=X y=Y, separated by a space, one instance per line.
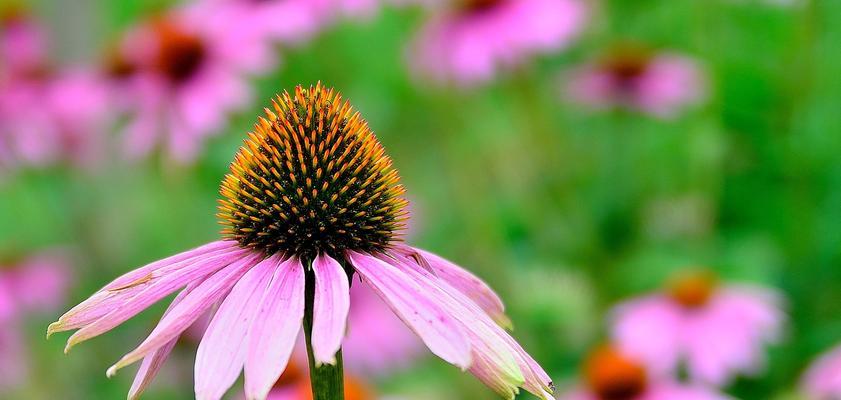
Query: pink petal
x=114 y=294
x=469 y=284
x=330 y=308
x=649 y=329
x=275 y=329
x=223 y=348
x=501 y=363
x=189 y=310
x=438 y=330
x=156 y=289
x=152 y=363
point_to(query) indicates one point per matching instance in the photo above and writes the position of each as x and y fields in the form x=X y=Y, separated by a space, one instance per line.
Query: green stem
x=327 y=381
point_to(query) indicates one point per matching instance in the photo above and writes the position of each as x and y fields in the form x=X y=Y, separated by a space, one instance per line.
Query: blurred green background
x=562 y=210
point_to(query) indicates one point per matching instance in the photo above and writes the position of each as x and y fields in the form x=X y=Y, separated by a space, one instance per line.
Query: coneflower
x=311 y=200
x=696 y=312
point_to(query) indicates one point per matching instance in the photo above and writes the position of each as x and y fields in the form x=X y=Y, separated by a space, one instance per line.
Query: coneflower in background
x=718 y=331
x=311 y=201
x=180 y=75
x=48 y=115
x=630 y=77
x=470 y=41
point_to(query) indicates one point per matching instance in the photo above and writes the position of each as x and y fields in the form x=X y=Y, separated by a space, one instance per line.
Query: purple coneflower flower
x=311 y=200
x=469 y=43
x=179 y=75
x=657 y=84
x=718 y=331
x=612 y=375
x=46 y=116
x=822 y=380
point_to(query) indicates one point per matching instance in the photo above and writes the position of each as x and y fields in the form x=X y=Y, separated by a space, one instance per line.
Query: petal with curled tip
x=155 y=291
x=189 y=310
x=115 y=294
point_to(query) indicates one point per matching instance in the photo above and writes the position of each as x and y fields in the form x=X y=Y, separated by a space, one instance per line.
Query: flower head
x=179 y=74
x=312 y=179
x=693 y=315
x=658 y=84
x=311 y=200
x=470 y=43
x=610 y=374
x=47 y=115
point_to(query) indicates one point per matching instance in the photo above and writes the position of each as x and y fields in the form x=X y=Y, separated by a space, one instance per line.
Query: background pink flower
x=717 y=331
x=46 y=115
x=822 y=380
x=472 y=42
x=661 y=85
x=186 y=73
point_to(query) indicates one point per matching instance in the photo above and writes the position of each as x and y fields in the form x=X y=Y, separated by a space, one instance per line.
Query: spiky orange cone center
x=312 y=178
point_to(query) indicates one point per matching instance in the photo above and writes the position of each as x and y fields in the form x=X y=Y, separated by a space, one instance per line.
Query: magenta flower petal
x=718 y=339
x=330 y=308
x=189 y=310
x=153 y=362
x=469 y=284
x=223 y=348
x=502 y=363
x=150 y=292
x=438 y=330
x=275 y=329
x=114 y=294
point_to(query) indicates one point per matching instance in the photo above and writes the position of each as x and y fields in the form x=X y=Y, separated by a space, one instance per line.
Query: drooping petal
x=157 y=289
x=153 y=362
x=497 y=359
x=223 y=348
x=439 y=331
x=649 y=329
x=115 y=294
x=330 y=308
x=189 y=310
x=487 y=340
x=273 y=334
x=469 y=284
